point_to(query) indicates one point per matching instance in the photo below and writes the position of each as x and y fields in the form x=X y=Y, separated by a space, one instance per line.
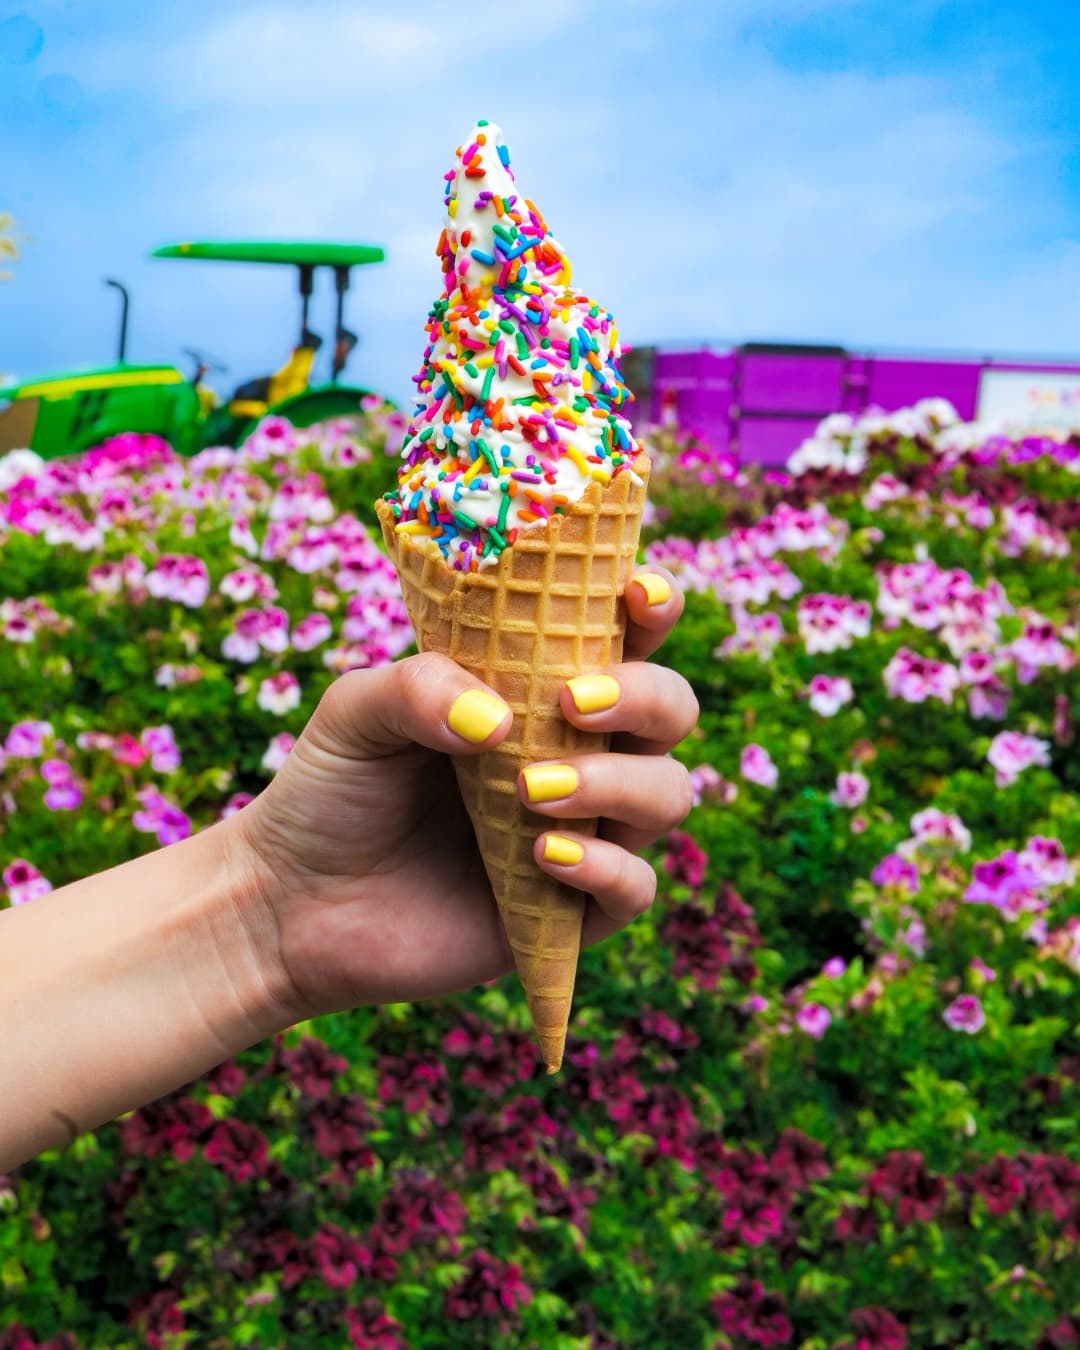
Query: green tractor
x=65 y=414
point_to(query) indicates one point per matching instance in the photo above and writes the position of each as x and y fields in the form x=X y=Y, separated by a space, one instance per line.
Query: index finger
x=654 y=601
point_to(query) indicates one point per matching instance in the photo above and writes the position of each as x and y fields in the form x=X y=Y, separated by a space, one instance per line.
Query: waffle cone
x=551 y=608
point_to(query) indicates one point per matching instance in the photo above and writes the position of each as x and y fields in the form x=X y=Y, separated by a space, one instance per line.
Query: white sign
x=1030 y=398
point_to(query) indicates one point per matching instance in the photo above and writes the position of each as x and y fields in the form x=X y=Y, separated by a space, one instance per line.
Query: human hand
x=362 y=858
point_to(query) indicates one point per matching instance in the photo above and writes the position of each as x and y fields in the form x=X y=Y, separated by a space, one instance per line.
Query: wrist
x=241 y=923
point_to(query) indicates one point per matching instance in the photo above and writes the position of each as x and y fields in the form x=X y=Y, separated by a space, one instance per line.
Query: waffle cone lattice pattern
x=552 y=607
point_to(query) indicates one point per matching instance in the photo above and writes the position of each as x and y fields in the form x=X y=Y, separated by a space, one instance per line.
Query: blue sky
x=843 y=170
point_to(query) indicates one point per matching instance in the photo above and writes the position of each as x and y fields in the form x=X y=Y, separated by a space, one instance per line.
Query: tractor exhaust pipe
x=123 y=317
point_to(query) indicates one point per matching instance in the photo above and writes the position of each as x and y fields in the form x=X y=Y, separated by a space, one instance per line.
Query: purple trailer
x=762 y=399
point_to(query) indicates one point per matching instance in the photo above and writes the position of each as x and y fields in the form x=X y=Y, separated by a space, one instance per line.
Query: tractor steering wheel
x=205 y=364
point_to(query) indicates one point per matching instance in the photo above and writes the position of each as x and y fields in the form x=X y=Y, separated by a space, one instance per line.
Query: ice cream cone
x=550 y=609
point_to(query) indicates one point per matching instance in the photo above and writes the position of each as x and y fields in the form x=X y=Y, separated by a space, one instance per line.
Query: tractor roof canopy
x=270 y=251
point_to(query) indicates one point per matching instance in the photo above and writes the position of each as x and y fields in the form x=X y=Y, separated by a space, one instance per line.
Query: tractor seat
x=254 y=396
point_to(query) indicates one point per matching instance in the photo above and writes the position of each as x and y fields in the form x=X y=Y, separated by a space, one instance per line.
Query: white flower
x=19 y=464
x=279 y=693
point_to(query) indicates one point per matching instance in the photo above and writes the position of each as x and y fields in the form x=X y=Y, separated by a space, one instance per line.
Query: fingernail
x=559 y=849
x=475 y=714
x=593 y=693
x=655 y=587
x=549 y=782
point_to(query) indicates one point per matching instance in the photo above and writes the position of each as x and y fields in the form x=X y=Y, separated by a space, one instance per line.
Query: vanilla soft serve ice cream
x=518 y=395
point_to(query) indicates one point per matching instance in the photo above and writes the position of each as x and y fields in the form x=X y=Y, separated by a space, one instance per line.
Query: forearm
x=123 y=986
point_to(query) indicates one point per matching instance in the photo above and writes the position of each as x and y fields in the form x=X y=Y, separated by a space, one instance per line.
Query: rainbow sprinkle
x=516 y=412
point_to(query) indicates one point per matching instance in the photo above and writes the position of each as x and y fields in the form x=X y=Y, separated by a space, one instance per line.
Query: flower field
x=824 y=1096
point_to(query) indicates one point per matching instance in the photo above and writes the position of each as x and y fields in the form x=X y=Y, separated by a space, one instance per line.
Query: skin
x=352 y=879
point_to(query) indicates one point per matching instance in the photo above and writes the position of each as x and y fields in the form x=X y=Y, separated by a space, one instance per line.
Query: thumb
x=424 y=700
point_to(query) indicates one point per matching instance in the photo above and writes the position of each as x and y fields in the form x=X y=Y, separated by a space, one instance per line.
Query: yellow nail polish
x=594 y=693
x=559 y=849
x=475 y=714
x=655 y=587
x=549 y=782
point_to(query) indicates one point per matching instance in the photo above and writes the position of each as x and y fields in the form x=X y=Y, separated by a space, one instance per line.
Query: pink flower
x=236 y=802
x=965 y=1013
x=814 y=1019
x=160 y=743
x=277 y=751
x=934 y=827
x=756 y=766
x=1046 y=858
x=989 y=700
x=893 y=870
x=829 y=693
x=310 y=632
x=829 y=623
x=159 y=816
x=1011 y=752
x=247 y=583
x=24 y=882
x=63 y=797
x=834 y=967
x=916 y=678
x=254 y=629
x=128 y=751
x=851 y=790
x=26 y=740
x=180 y=577
x=279 y=693
x=979 y=966
x=1003 y=882
x=977 y=668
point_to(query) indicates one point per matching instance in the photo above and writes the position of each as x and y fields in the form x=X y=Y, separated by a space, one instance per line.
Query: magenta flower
x=903 y=1181
x=489 y=1288
x=239 y=1149
x=965 y=1013
x=236 y=802
x=1003 y=882
x=370 y=1327
x=1011 y=752
x=893 y=870
x=814 y=1019
x=980 y=967
x=756 y=766
x=311 y=1067
x=875 y=1329
x=752 y=1313
x=684 y=861
x=24 y=882
x=834 y=967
